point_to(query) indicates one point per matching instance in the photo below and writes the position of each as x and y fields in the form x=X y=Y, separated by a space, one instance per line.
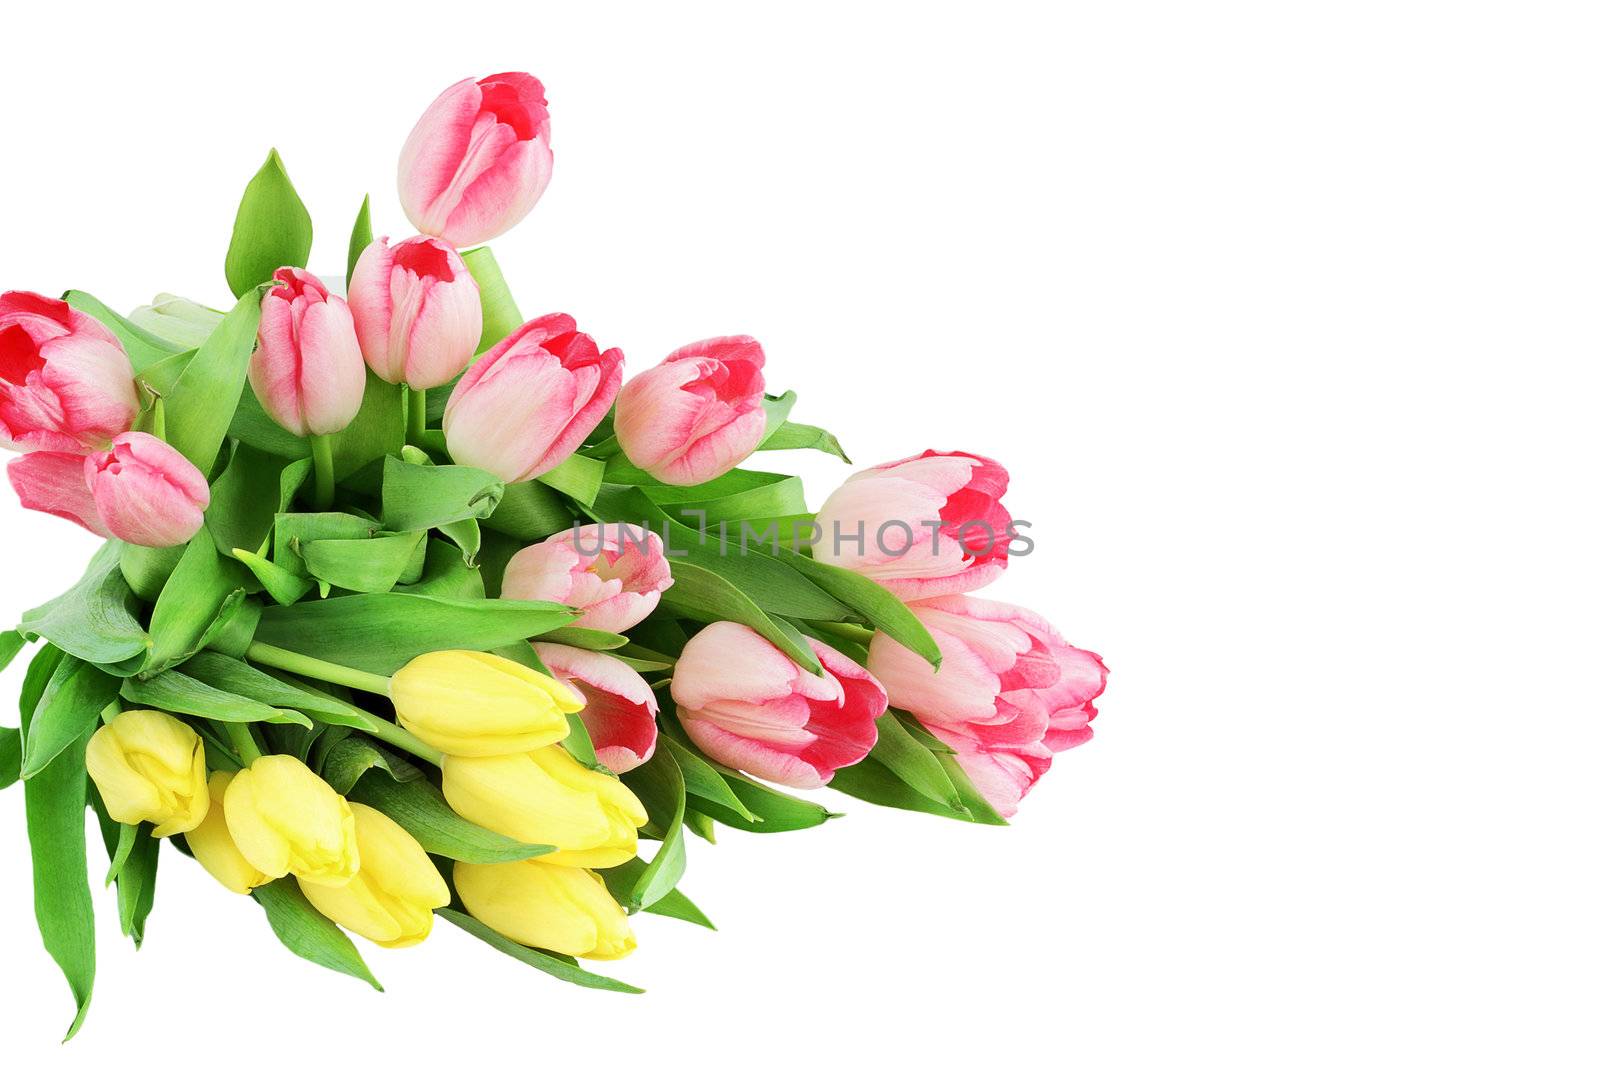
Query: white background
x=1283 y=318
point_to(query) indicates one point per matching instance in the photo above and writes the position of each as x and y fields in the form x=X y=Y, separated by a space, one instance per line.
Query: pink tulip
x=1010 y=690
x=416 y=310
x=478 y=159
x=620 y=707
x=53 y=482
x=531 y=400
x=749 y=707
x=146 y=492
x=614 y=573
x=926 y=526
x=307 y=369
x=697 y=414
x=65 y=383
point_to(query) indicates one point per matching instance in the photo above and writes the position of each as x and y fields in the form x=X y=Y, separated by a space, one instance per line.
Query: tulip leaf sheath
x=674 y=905
x=92 y=620
x=348 y=761
x=191 y=602
x=552 y=965
x=705 y=595
x=272 y=229
x=61 y=900
x=177 y=692
x=881 y=608
x=307 y=933
x=796 y=435
x=382 y=632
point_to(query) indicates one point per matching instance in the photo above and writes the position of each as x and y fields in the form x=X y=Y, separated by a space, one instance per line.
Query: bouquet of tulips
x=408 y=606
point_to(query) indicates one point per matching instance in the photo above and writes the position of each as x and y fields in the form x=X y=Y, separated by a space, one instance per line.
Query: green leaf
x=759 y=577
x=378 y=430
x=872 y=601
x=136 y=884
x=659 y=786
x=777 y=409
x=309 y=934
x=11 y=642
x=61 y=900
x=201 y=405
x=191 y=602
x=500 y=314
x=911 y=764
x=91 y=620
x=69 y=708
x=530 y=511
x=179 y=692
x=797 y=435
x=581 y=637
x=360 y=238
x=241 y=679
x=368 y=565
x=705 y=595
x=144 y=348
x=147 y=569
x=763 y=497
x=578 y=477
x=281 y=584
x=271 y=230
x=10 y=756
x=421 y=811
x=700 y=776
x=251 y=425
x=543 y=961
x=620 y=881
x=445 y=573
x=127 y=833
x=417 y=497
x=346 y=762
x=382 y=632
x=778 y=812
x=244 y=500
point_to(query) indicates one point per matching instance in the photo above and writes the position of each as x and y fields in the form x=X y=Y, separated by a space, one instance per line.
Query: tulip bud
x=558 y=909
x=307 y=369
x=614 y=573
x=177 y=320
x=480 y=704
x=65 y=383
x=150 y=767
x=478 y=159
x=391 y=899
x=531 y=400
x=750 y=707
x=416 y=311
x=146 y=492
x=286 y=820
x=922 y=527
x=54 y=482
x=545 y=797
x=697 y=414
x=1009 y=692
x=212 y=844
x=619 y=707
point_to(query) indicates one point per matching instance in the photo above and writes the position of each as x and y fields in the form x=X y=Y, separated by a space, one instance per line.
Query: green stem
x=307 y=667
x=416 y=415
x=322 y=460
x=244 y=741
x=381 y=728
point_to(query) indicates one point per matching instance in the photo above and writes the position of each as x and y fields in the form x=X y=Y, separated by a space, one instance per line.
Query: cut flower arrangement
x=410 y=607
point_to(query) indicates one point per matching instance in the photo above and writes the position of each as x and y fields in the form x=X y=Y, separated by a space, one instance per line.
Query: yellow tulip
x=150 y=767
x=478 y=704
x=213 y=846
x=391 y=899
x=541 y=905
x=286 y=820
x=546 y=797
